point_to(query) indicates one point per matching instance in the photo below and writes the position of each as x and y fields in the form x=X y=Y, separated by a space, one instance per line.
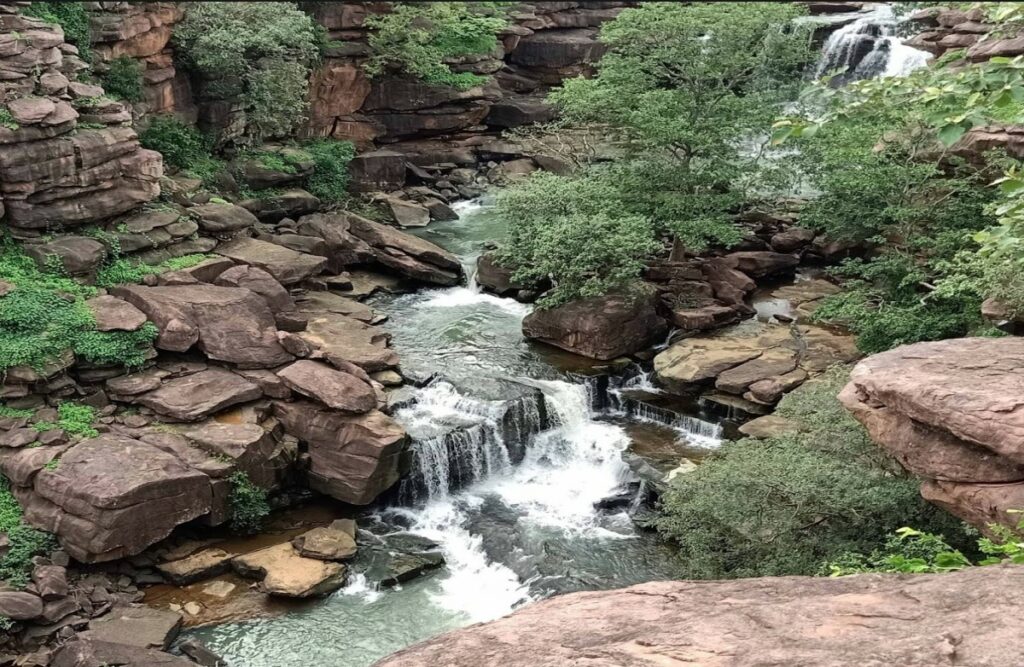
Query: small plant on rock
x=124 y=79
x=249 y=506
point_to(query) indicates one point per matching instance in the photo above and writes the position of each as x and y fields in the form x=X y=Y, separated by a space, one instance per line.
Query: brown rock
x=602 y=327
x=223 y=218
x=333 y=388
x=78 y=255
x=203 y=564
x=325 y=543
x=200 y=395
x=285 y=573
x=807 y=621
x=258 y=281
x=113 y=314
x=344 y=339
x=51 y=582
x=410 y=256
x=286 y=266
x=142 y=627
x=82 y=652
x=761 y=263
x=20 y=605
x=769 y=426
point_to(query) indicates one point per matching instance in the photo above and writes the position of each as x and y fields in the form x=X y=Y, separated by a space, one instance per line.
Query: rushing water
x=510 y=456
x=869 y=47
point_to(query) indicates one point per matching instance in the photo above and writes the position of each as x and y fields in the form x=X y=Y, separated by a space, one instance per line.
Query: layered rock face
x=951 y=412
x=910 y=620
x=70 y=155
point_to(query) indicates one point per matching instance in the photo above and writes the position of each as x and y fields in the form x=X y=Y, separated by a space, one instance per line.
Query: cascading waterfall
x=869 y=47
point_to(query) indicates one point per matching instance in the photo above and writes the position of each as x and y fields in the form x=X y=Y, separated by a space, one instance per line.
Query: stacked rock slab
x=51 y=169
x=951 y=412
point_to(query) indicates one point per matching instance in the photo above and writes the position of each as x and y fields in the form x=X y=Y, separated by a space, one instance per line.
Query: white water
x=869 y=47
x=472 y=296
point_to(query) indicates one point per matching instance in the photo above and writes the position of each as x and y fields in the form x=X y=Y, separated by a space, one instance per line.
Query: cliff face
x=69 y=155
x=963 y=618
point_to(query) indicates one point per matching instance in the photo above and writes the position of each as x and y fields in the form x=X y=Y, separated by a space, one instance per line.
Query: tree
x=680 y=89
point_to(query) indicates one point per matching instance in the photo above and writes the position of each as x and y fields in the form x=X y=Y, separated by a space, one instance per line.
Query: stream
x=510 y=456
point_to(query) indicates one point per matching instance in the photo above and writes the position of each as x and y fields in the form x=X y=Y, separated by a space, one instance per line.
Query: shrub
x=125 y=271
x=182 y=146
x=329 y=181
x=420 y=39
x=257 y=52
x=123 y=79
x=906 y=550
x=24 y=541
x=71 y=17
x=249 y=506
x=784 y=505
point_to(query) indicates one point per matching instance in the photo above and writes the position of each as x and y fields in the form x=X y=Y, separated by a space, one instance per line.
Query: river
x=512 y=531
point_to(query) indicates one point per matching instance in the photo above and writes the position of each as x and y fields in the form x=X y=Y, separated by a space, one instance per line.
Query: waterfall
x=869 y=47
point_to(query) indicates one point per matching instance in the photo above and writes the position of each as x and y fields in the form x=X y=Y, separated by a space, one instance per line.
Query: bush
x=182 y=146
x=257 y=52
x=24 y=542
x=123 y=79
x=784 y=505
x=906 y=550
x=126 y=271
x=329 y=181
x=249 y=506
x=71 y=17
x=420 y=39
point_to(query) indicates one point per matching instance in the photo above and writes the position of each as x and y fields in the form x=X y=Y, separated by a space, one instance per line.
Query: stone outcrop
x=283 y=572
x=603 y=327
x=52 y=168
x=910 y=620
x=952 y=413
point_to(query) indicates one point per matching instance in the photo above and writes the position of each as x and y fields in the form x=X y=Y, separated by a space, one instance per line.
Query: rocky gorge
x=436 y=449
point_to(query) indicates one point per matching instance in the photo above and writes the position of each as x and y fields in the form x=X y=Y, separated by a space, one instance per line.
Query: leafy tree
x=182 y=146
x=784 y=505
x=257 y=52
x=123 y=79
x=423 y=39
x=680 y=88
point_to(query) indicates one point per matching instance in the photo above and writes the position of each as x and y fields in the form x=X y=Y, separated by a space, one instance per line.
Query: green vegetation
x=182 y=146
x=7 y=120
x=249 y=506
x=123 y=270
x=123 y=79
x=784 y=505
x=73 y=419
x=424 y=39
x=259 y=53
x=330 y=172
x=678 y=85
x=25 y=542
x=71 y=17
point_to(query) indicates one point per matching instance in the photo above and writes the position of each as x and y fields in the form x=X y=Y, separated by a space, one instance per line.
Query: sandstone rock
x=325 y=543
x=286 y=266
x=258 y=281
x=808 y=621
x=353 y=458
x=313 y=303
x=333 y=388
x=20 y=605
x=493 y=277
x=201 y=565
x=792 y=239
x=758 y=264
x=410 y=256
x=143 y=627
x=291 y=203
x=602 y=327
x=51 y=582
x=113 y=496
x=248 y=447
x=113 y=314
x=343 y=339
x=228 y=324
x=223 y=218
x=285 y=573
x=769 y=426
x=82 y=652
x=78 y=255
x=200 y=395
x=407 y=213
x=377 y=170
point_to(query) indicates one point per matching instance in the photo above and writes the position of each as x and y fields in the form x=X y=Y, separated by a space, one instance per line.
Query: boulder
x=248 y=447
x=283 y=572
x=51 y=582
x=81 y=652
x=603 y=327
x=286 y=266
x=291 y=203
x=407 y=213
x=203 y=564
x=228 y=323
x=259 y=281
x=113 y=314
x=223 y=218
x=769 y=426
x=113 y=496
x=410 y=256
x=377 y=171
x=340 y=339
x=20 y=605
x=325 y=543
x=194 y=397
x=950 y=412
x=495 y=278
x=142 y=627
x=333 y=388
x=353 y=458
x=762 y=263
x=77 y=255
x=924 y=620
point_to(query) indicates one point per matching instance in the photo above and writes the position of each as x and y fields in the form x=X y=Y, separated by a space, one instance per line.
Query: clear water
x=511 y=533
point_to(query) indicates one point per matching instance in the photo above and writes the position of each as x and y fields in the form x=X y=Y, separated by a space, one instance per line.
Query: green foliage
x=257 y=52
x=73 y=419
x=182 y=146
x=123 y=79
x=906 y=550
x=678 y=85
x=45 y=315
x=126 y=271
x=7 y=120
x=249 y=506
x=783 y=505
x=330 y=173
x=24 y=541
x=71 y=17
x=422 y=39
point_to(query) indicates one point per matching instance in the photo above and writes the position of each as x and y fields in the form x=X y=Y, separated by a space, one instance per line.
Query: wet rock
x=333 y=388
x=142 y=627
x=286 y=266
x=199 y=654
x=325 y=543
x=283 y=572
x=602 y=327
x=201 y=565
x=227 y=323
x=409 y=256
x=200 y=395
x=495 y=278
x=20 y=605
x=113 y=314
x=962 y=613
x=353 y=458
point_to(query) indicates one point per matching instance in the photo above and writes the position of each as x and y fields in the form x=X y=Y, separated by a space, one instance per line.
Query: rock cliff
x=963 y=618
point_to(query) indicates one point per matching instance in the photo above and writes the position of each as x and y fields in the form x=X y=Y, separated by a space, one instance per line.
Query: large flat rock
x=285 y=265
x=408 y=255
x=283 y=572
x=199 y=395
x=335 y=389
x=961 y=618
x=339 y=338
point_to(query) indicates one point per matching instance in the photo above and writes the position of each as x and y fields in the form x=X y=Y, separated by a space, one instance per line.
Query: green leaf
x=949 y=134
